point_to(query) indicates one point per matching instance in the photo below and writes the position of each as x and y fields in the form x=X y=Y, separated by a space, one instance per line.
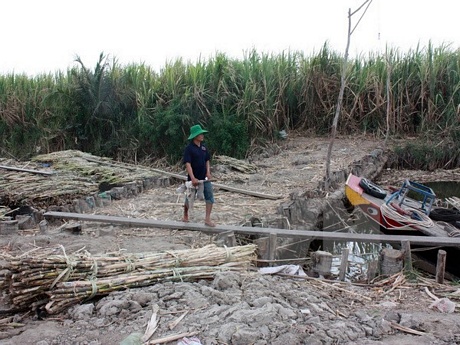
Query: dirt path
x=233 y=308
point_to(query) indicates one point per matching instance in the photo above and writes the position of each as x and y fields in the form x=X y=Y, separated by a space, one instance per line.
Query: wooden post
x=43 y=226
x=372 y=270
x=25 y=222
x=322 y=262
x=343 y=264
x=391 y=261
x=405 y=245
x=8 y=227
x=262 y=247
x=272 y=240
x=226 y=238
x=441 y=266
x=76 y=206
x=231 y=239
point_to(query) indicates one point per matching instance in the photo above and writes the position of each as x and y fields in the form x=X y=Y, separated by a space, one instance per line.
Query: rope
x=177 y=274
x=131 y=265
x=93 y=280
x=65 y=274
x=178 y=260
x=94 y=289
x=229 y=254
x=390 y=213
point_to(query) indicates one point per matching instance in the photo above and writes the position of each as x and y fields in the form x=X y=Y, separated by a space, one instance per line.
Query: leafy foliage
x=134 y=113
x=428 y=154
x=229 y=135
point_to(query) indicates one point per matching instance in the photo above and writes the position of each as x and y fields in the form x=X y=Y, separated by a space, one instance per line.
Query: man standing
x=196 y=159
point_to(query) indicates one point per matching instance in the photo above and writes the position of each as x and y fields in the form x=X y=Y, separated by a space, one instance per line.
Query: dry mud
x=231 y=308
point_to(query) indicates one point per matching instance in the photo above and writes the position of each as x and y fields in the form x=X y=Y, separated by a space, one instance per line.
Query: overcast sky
x=42 y=36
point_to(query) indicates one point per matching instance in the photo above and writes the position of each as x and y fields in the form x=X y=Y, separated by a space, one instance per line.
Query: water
x=445 y=189
x=361 y=253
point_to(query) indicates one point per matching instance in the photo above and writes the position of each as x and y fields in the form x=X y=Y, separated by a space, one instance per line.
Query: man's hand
x=195 y=181
x=208 y=176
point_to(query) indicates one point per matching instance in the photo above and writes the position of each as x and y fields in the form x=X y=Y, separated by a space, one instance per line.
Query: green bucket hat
x=195 y=131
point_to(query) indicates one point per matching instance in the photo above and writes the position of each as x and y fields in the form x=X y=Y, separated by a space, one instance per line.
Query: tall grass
x=133 y=113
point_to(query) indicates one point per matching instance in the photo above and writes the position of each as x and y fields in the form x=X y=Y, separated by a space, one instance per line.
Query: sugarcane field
x=96 y=253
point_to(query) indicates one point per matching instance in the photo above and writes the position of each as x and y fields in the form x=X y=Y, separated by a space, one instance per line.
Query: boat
x=405 y=211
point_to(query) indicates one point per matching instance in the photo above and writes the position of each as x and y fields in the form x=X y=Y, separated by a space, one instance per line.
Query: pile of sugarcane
x=52 y=278
x=237 y=164
x=72 y=174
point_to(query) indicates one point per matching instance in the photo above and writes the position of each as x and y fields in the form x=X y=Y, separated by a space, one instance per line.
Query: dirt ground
x=232 y=308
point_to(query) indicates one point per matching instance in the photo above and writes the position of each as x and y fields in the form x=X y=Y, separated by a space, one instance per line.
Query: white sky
x=42 y=36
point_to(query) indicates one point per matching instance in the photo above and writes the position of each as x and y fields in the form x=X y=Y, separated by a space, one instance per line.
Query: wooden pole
x=262 y=248
x=391 y=261
x=231 y=239
x=9 y=227
x=405 y=245
x=27 y=170
x=441 y=266
x=343 y=264
x=43 y=226
x=322 y=262
x=372 y=270
x=226 y=238
x=272 y=239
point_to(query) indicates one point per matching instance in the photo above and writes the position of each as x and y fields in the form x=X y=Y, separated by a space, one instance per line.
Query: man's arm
x=189 y=169
x=208 y=170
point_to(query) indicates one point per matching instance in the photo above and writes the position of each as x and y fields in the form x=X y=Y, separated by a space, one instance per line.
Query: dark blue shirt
x=197 y=156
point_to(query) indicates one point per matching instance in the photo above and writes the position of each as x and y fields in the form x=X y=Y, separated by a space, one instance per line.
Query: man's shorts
x=208 y=192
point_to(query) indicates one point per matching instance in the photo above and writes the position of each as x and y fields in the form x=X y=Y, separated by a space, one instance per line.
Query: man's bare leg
x=207 y=219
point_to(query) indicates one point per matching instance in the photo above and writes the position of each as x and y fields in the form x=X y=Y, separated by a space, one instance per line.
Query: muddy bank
x=252 y=309
x=307 y=210
x=246 y=308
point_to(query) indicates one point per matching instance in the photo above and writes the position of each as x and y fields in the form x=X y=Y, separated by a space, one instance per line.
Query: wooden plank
x=224 y=187
x=27 y=170
x=247 y=192
x=338 y=236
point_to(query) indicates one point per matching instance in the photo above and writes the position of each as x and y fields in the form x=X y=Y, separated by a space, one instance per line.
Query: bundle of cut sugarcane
x=237 y=164
x=43 y=274
x=68 y=293
x=5 y=276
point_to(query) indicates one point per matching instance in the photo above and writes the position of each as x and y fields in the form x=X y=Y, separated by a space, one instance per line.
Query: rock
x=142 y=298
x=112 y=307
x=82 y=312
